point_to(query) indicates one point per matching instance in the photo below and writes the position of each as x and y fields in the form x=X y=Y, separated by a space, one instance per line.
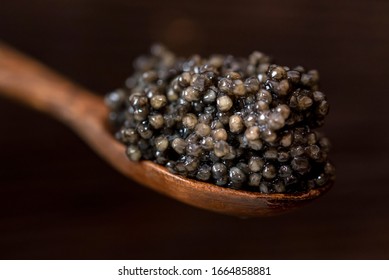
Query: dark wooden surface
x=58 y=200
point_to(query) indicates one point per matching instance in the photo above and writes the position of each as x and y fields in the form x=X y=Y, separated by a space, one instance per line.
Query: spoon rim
x=200 y=185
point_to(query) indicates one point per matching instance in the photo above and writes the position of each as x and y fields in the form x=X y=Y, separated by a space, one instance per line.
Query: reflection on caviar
x=241 y=123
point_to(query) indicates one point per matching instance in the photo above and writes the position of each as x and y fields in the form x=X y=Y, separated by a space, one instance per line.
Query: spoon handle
x=27 y=81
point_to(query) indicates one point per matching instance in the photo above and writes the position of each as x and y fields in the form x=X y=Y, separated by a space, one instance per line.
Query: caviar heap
x=241 y=123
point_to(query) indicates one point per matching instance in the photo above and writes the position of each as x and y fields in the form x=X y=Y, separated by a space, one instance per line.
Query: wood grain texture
x=53 y=206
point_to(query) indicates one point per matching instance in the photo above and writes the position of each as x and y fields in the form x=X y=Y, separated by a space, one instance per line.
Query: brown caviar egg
x=224 y=103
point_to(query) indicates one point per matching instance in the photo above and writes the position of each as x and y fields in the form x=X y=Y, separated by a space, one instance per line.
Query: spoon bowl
x=29 y=82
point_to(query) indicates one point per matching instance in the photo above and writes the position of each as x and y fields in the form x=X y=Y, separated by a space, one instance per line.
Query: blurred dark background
x=58 y=200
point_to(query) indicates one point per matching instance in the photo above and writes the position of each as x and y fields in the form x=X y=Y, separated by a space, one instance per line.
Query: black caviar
x=242 y=123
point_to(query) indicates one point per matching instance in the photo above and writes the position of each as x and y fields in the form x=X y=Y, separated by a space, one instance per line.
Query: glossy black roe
x=242 y=123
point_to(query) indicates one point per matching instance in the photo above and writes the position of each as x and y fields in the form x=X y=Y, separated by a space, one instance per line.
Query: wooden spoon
x=31 y=83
